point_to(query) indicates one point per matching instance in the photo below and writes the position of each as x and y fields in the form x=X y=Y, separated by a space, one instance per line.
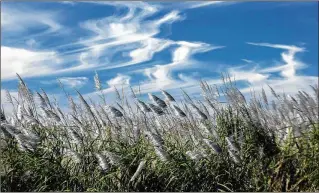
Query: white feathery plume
x=162 y=155
x=26 y=142
x=12 y=120
x=168 y=96
x=194 y=155
x=102 y=161
x=112 y=157
x=234 y=156
x=42 y=100
x=9 y=129
x=264 y=96
x=157 y=100
x=143 y=106
x=156 y=109
x=139 y=169
x=136 y=132
x=231 y=144
x=199 y=112
x=76 y=157
x=97 y=82
x=31 y=135
x=52 y=115
x=115 y=112
x=156 y=140
x=158 y=123
x=178 y=111
x=30 y=120
x=204 y=127
x=19 y=112
x=75 y=136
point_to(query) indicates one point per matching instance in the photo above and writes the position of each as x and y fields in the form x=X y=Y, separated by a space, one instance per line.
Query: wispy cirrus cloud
x=160 y=76
x=251 y=76
x=111 y=33
x=290 y=48
x=288 y=69
x=69 y=82
x=17 y=20
x=111 y=36
x=289 y=81
x=247 y=61
x=73 y=82
x=132 y=33
x=194 y=4
x=130 y=45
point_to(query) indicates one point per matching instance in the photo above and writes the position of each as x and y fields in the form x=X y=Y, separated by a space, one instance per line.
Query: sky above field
x=153 y=46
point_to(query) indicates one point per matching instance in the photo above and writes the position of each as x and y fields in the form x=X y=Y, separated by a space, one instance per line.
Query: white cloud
x=193 y=5
x=287 y=70
x=160 y=75
x=182 y=53
x=119 y=80
x=291 y=48
x=74 y=82
x=247 y=61
x=168 y=18
x=289 y=82
x=112 y=35
x=187 y=49
x=250 y=76
x=68 y=2
x=150 y=47
x=20 y=19
x=128 y=39
x=116 y=32
x=27 y=63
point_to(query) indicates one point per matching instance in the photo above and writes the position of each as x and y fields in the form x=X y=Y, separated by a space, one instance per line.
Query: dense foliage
x=262 y=144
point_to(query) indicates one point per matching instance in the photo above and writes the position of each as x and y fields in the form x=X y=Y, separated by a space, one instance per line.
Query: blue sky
x=158 y=45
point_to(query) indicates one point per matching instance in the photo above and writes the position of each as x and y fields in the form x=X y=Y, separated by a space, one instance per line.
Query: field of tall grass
x=266 y=143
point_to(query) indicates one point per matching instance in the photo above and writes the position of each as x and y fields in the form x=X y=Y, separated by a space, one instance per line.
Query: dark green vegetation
x=267 y=144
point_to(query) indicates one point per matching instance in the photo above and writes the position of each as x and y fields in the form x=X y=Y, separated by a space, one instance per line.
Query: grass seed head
x=102 y=161
x=162 y=154
x=157 y=110
x=139 y=169
x=157 y=100
x=115 y=112
x=168 y=96
x=178 y=111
